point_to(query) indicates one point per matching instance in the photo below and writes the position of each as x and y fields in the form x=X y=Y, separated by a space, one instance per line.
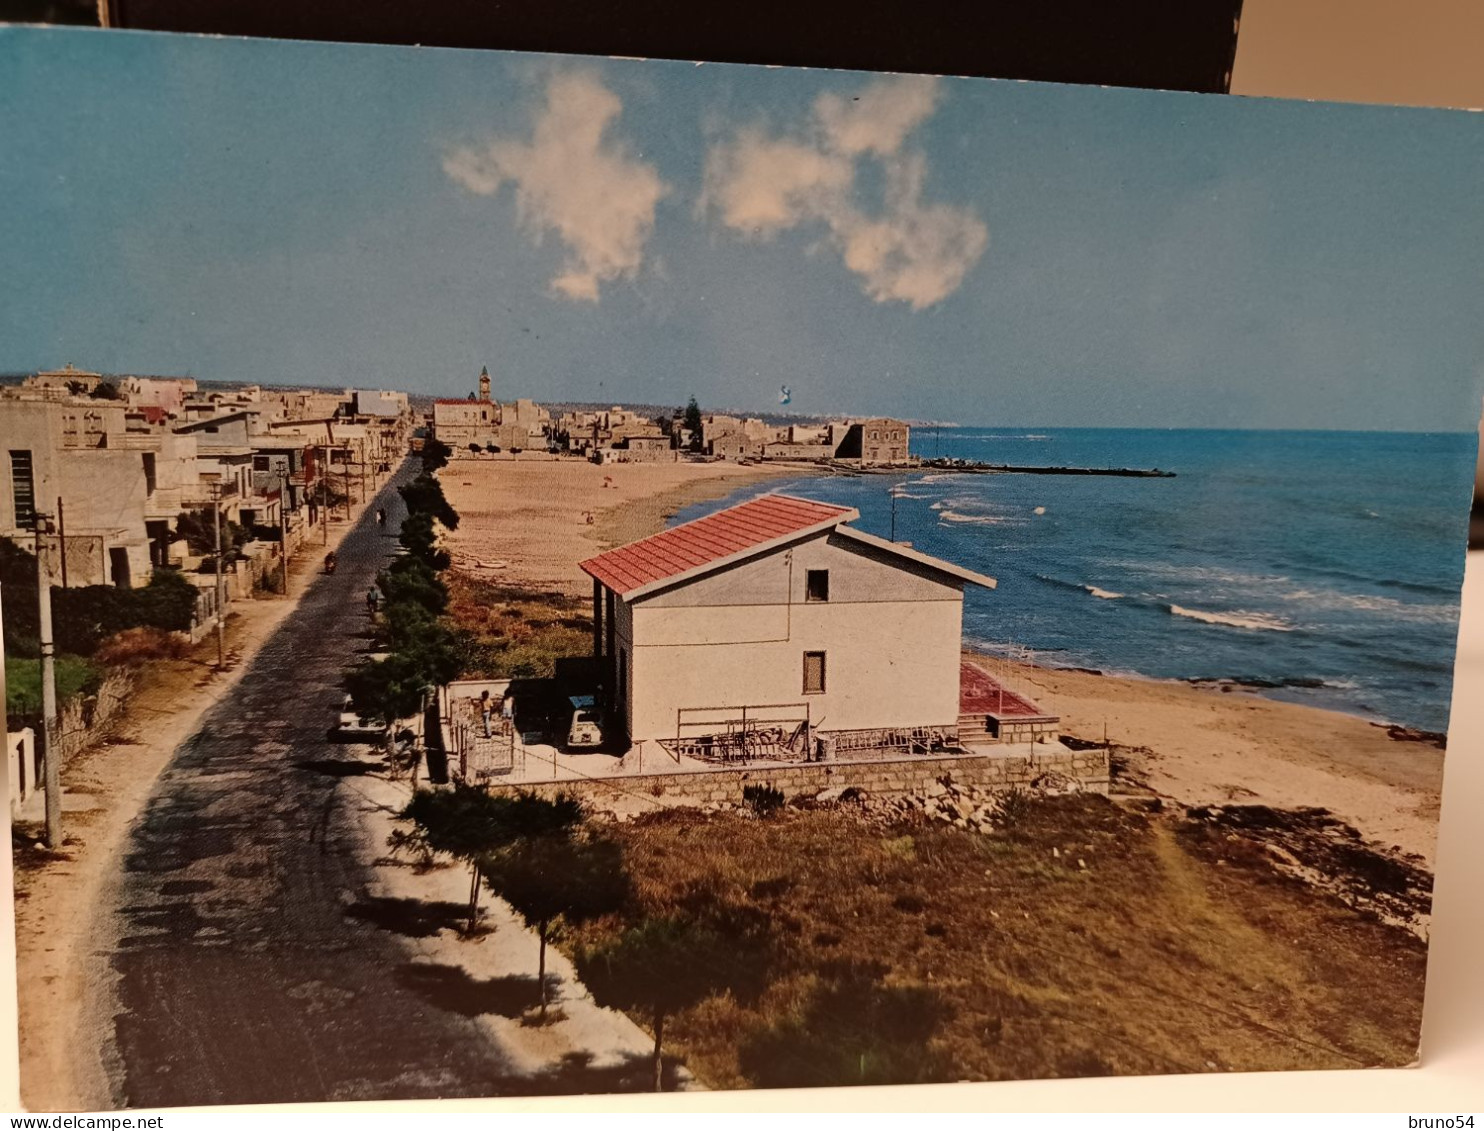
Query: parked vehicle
x=585 y=732
x=354 y=727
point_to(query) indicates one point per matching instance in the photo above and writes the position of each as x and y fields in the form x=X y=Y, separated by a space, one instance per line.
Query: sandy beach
x=525 y=523
x=1204 y=746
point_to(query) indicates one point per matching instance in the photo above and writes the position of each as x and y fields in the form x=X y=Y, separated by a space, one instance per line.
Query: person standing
x=486 y=710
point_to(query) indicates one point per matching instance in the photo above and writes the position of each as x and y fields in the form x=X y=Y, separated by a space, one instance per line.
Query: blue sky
x=986 y=252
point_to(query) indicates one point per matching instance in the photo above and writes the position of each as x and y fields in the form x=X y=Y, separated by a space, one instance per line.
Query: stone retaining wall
x=1085 y=769
x=81 y=719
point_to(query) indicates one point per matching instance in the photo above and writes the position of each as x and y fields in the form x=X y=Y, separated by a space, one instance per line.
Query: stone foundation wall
x=1087 y=770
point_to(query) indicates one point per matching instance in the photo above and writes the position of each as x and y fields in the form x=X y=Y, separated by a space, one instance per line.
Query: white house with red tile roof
x=777 y=612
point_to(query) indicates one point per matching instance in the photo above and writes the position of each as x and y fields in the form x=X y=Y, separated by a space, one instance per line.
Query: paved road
x=251 y=965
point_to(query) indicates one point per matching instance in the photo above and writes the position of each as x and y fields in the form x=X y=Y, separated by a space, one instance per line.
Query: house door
x=118 y=566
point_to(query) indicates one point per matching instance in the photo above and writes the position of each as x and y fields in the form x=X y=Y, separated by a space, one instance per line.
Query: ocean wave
x=978 y=519
x=1417 y=611
x=1196 y=573
x=1104 y=594
x=1258 y=621
x=1265 y=683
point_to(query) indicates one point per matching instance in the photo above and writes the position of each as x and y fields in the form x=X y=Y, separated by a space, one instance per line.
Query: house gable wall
x=890 y=632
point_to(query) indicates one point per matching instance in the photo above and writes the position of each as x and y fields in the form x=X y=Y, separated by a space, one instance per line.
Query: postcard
x=528 y=575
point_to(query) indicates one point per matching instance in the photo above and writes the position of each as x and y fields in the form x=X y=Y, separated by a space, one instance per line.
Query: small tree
x=414 y=582
x=105 y=391
x=693 y=422
x=555 y=877
x=390 y=689
x=424 y=495
x=199 y=530
x=435 y=454
x=658 y=967
x=470 y=823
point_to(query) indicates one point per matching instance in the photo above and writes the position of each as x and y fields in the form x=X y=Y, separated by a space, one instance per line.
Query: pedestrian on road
x=381 y=516
x=373 y=598
x=507 y=710
x=486 y=710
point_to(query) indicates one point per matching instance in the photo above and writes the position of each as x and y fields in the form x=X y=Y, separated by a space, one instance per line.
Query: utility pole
x=221 y=601
x=62 y=540
x=323 y=467
x=363 y=470
x=50 y=747
x=283 y=533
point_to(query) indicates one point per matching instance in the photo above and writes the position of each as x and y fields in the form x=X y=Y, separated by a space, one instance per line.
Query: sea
x=1315 y=567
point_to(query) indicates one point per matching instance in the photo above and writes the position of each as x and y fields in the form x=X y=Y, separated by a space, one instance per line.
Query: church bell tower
x=484 y=383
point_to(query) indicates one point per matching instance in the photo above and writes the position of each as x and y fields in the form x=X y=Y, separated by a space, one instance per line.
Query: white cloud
x=572 y=178
x=915 y=253
x=906 y=251
x=761 y=184
x=879 y=118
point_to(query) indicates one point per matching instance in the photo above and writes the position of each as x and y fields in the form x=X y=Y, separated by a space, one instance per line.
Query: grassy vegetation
x=23 y=682
x=515 y=632
x=1084 y=939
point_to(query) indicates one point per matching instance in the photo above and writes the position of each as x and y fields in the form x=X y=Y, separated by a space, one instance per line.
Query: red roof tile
x=979 y=693
x=714 y=538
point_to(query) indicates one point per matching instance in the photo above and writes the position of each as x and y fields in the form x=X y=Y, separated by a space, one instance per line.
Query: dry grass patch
x=1084 y=940
x=516 y=633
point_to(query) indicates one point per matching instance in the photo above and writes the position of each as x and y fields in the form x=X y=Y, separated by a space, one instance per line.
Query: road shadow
x=338 y=767
x=576 y=1075
x=415 y=918
x=452 y=989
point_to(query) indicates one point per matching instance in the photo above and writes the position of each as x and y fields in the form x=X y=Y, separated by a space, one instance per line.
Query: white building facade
x=777 y=611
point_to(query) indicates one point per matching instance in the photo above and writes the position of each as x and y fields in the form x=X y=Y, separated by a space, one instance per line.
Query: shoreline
x=1202 y=745
x=528 y=523
x=1191 y=743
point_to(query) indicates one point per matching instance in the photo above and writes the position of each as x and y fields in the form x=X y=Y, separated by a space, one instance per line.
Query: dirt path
x=54 y=898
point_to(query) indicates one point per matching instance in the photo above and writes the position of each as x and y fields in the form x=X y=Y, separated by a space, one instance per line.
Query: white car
x=586 y=729
x=355 y=727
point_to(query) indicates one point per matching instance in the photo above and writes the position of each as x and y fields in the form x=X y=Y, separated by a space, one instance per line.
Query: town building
x=877 y=441
x=74 y=449
x=64 y=382
x=777 y=616
x=168 y=394
x=479 y=424
x=378 y=402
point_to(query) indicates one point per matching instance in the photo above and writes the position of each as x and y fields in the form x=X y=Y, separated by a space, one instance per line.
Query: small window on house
x=813 y=673
x=875 y=435
x=260 y=463
x=817 y=585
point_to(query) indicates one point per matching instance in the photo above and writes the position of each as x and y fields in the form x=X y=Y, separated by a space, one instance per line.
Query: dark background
x=1168 y=44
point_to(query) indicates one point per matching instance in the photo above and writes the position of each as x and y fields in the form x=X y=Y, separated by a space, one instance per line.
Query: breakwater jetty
x=976 y=467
